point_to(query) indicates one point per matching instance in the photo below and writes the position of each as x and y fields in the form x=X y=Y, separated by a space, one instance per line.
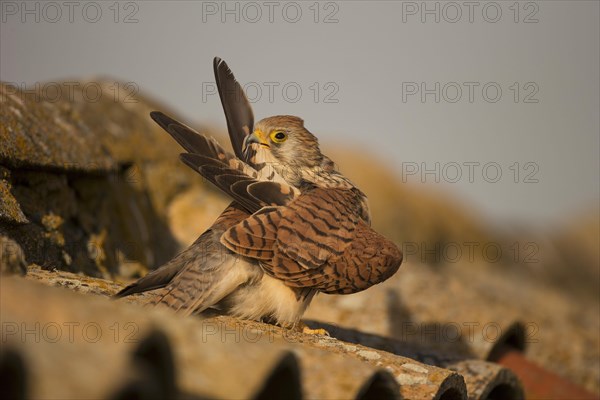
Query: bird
x=296 y=226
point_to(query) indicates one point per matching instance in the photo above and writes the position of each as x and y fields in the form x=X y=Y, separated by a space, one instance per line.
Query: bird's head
x=289 y=142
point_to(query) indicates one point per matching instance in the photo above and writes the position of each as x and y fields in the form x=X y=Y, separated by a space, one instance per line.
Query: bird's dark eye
x=278 y=136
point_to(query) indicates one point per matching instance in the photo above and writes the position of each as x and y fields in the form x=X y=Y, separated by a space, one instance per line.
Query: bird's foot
x=303 y=328
x=319 y=331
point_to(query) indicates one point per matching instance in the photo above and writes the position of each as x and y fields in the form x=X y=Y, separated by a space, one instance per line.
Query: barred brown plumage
x=296 y=227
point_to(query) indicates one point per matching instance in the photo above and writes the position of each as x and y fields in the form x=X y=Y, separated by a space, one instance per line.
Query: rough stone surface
x=34 y=134
x=84 y=185
x=217 y=357
x=10 y=210
x=467 y=312
x=408 y=362
x=12 y=258
x=114 y=201
x=369 y=354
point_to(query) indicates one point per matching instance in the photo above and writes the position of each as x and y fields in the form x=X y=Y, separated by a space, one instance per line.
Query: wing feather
x=237 y=108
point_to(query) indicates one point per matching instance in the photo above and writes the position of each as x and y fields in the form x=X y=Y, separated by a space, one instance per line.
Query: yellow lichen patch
x=52 y=221
x=52 y=224
x=96 y=249
x=57 y=238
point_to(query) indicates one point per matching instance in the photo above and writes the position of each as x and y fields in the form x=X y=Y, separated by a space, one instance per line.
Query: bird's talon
x=320 y=331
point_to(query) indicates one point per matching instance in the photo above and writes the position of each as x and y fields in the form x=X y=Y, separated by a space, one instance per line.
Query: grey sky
x=372 y=59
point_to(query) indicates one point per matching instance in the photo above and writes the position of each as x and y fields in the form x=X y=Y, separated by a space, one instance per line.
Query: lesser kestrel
x=296 y=226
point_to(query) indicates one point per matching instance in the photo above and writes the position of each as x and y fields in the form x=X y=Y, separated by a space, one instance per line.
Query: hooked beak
x=255 y=137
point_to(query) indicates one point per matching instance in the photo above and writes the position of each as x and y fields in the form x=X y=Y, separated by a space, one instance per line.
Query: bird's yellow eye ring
x=278 y=136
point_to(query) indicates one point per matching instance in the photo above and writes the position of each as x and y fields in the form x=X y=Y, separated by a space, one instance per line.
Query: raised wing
x=237 y=108
x=189 y=139
x=232 y=176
